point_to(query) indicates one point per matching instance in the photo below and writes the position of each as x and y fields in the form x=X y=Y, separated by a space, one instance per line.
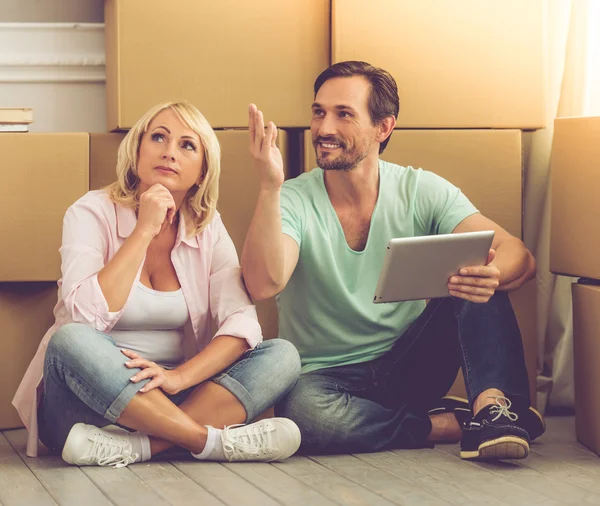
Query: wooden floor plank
x=412 y=466
x=122 y=486
x=558 y=471
x=288 y=490
x=224 y=484
x=577 y=455
x=523 y=473
x=558 y=466
x=482 y=476
x=18 y=485
x=173 y=485
x=330 y=484
x=559 y=429
x=393 y=488
x=66 y=484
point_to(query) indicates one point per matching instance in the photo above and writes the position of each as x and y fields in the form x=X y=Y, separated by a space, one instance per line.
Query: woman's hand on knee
x=167 y=380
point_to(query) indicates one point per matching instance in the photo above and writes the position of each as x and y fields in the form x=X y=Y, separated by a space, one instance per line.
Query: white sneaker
x=263 y=441
x=87 y=445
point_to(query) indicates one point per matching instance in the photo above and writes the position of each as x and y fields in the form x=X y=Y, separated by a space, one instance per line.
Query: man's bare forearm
x=263 y=254
x=516 y=264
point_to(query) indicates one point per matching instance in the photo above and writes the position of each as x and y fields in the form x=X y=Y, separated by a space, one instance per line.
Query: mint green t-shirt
x=327 y=307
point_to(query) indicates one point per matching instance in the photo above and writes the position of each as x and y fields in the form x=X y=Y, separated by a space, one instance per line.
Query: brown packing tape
x=48 y=172
x=25 y=316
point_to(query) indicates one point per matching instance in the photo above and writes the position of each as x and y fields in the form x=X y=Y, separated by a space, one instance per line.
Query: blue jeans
x=85 y=380
x=383 y=403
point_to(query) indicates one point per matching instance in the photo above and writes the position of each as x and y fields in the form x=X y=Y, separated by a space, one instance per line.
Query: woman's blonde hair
x=200 y=202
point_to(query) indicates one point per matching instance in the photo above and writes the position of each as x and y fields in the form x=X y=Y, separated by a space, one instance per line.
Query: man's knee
x=314 y=408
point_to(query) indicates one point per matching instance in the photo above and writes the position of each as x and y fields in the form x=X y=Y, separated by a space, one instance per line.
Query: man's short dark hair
x=383 y=98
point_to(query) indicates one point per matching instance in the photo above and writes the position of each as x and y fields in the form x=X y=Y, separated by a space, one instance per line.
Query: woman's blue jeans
x=85 y=380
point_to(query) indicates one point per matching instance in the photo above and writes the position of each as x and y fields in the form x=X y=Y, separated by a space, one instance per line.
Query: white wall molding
x=52 y=53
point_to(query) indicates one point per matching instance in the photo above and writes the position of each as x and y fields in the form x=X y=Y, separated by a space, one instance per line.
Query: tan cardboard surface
x=466 y=64
x=238 y=192
x=42 y=174
x=485 y=164
x=575 y=169
x=25 y=316
x=586 y=350
x=219 y=55
x=103 y=159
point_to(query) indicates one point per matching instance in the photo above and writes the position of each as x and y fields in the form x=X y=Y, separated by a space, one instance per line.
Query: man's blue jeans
x=85 y=380
x=383 y=403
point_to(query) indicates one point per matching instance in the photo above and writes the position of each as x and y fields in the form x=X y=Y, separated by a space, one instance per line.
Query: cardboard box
x=485 y=164
x=458 y=64
x=218 y=55
x=586 y=350
x=25 y=316
x=575 y=169
x=43 y=174
x=103 y=159
x=238 y=189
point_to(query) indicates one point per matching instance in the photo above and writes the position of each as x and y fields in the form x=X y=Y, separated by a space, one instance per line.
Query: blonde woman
x=146 y=262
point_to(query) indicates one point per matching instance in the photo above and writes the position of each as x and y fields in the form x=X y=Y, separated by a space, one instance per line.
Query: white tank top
x=152 y=325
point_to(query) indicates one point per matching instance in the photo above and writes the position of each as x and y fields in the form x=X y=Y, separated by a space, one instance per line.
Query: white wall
x=52 y=65
x=58 y=70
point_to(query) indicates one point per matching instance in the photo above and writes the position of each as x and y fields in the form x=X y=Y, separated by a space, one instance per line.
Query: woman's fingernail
x=133 y=378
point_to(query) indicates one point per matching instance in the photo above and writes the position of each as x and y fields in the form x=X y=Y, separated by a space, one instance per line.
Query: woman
x=142 y=260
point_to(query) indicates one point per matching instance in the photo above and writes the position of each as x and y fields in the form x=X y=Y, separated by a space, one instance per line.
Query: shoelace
x=503 y=409
x=109 y=451
x=247 y=441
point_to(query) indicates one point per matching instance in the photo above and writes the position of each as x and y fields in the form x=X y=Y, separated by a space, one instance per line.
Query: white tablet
x=417 y=268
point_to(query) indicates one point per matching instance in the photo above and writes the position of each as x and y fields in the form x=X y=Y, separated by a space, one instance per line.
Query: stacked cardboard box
x=458 y=64
x=575 y=168
x=487 y=166
x=43 y=175
x=219 y=55
x=575 y=251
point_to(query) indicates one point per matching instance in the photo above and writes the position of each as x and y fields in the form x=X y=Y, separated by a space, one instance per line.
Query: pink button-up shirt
x=207 y=267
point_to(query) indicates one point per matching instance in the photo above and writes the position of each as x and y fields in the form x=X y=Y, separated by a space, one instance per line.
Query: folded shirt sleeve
x=230 y=304
x=83 y=255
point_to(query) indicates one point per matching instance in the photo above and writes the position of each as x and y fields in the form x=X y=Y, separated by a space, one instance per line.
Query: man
x=374 y=375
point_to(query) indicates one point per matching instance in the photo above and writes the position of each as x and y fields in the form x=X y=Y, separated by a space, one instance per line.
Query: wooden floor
x=559 y=471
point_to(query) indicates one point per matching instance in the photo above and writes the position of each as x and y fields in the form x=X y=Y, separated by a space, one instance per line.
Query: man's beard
x=346 y=161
